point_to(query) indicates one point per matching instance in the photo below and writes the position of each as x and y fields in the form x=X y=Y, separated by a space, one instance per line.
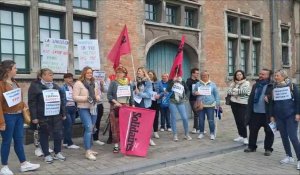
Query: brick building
x=221 y=36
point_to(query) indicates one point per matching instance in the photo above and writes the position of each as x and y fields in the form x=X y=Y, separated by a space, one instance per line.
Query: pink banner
x=135 y=130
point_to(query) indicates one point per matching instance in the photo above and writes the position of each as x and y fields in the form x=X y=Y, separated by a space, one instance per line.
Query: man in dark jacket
x=257 y=113
x=190 y=82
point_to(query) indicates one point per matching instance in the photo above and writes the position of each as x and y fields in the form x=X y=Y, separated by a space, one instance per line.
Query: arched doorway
x=160 y=59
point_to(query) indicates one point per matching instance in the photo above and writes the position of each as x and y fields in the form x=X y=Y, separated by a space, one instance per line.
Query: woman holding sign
x=179 y=90
x=207 y=92
x=86 y=95
x=11 y=118
x=285 y=110
x=46 y=105
x=119 y=93
x=154 y=97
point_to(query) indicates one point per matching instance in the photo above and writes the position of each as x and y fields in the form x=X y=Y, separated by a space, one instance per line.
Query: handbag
x=198 y=105
x=227 y=99
x=26 y=116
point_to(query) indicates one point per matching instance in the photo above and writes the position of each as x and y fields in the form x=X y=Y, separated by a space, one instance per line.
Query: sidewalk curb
x=171 y=161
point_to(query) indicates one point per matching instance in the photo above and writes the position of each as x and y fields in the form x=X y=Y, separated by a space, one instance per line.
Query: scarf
x=284 y=83
x=49 y=85
x=259 y=88
x=90 y=86
x=122 y=81
x=239 y=82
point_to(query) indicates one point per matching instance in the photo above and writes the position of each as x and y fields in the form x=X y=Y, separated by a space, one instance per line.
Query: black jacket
x=36 y=100
x=189 y=84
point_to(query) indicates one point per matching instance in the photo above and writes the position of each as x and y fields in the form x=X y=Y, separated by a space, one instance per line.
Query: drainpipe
x=273 y=24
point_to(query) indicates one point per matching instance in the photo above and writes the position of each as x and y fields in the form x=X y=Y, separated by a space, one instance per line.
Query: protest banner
x=135 y=130
x=88 y=53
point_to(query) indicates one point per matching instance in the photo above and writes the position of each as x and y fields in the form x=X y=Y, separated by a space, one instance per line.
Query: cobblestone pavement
x=236 y=162
x=165 y=153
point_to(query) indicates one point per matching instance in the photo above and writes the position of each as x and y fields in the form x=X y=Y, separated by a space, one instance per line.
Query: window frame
x=233 y=50
x=285 y=45
x=92 y=5
x=25 y=70
x=255 y=53
x=148 y=12
x=189 y=19
x=61 y=2
x=173 y=16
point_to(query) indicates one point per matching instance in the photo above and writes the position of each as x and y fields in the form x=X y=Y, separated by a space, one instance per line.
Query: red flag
x=121 y=47
x=177 y=64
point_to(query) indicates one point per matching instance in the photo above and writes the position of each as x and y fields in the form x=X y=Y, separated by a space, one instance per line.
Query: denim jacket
x=65 y=88
x=208 y=100
x=161 y=86
x=146 y=94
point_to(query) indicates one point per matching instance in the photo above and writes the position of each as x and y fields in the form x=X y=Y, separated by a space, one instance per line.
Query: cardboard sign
x=13 y=97
x=88 y=53
x=52 y=102
x=204 y=90
x=123 y=91
x=283 y=93
x=177 y=87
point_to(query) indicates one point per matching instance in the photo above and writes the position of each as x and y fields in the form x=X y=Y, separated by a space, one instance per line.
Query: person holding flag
x=178 y=88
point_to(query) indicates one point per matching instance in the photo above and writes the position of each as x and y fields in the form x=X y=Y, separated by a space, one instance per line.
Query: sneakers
x=156 y=135
x=59 y=156
x=64 y=145
x=27 y=166
x=287 y=160
x=194 y=131
x=73 y=147
x=298 y=165
x=152 y=143
x=239 y=139
x=175 y=138
x=212 y=137
x=90 y=156
x=268 y=153
x=245 y=140
x=38 y=152
x=48 y=159
x=169 y=129
x=116 y=149
x=249 y=150
x=95 y=153
x=50 y=150
x=6 y=171
x=162 y=129
x=99 y=142
x=201 y=136
x=187 y=137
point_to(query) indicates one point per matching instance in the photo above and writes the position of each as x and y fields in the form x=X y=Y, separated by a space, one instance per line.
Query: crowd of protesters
x=54 y=109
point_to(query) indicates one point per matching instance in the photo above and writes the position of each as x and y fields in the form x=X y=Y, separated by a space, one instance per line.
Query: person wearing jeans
x=86 y=95
x=178 y=89
x=71 y=109
x=164 y=110
x=207 y=92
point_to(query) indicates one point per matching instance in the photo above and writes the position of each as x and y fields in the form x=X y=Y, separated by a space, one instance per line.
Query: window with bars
x=13 y=41
x=84 y=4
x=82 y=29
x=52 y=1
x=50 y=27
x=150 y=12
x=171 y=14
x=189 y=18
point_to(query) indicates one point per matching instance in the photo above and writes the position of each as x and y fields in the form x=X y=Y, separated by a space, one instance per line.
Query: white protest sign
x=88 y=53
x=273 y=127
x=123 y=91
x=99 y=75
x=13 y=97
x=177 y=87
x=52 y=108
x=137 y=99
x=283 y=93
x=51 y=95
x=55 y=55
x=153 y=96
x=204 y=90
x=69 y=96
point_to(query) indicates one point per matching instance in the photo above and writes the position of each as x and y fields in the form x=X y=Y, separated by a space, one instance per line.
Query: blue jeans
x=165 y=117
x=14 y=130
x=288 y=132
x=209 y=112
x=88 y=122
x=182 y=111
x=68 y=124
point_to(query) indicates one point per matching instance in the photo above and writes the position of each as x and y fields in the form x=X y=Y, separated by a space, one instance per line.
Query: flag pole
x=133 y=67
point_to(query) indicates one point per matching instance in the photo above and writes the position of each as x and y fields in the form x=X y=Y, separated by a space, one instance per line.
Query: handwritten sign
x=153 y=96
x=177 y=87
x=13 y=97
x=55 y=55
x=99 y=75
x=69 y=96
x=88 y=53
x=204 y=90
x=52 y=102
x=123 y=91
x=137 y=99
x=283 y=93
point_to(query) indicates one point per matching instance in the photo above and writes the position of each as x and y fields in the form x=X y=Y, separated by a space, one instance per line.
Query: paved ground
x=166 y=153
x=236 y=162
